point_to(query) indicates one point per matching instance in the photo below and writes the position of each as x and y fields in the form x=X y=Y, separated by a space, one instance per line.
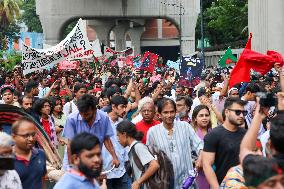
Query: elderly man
x=148 y=111
x=9 y=178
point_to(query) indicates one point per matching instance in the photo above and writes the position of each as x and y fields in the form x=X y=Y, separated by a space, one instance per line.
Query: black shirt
x=226 y=146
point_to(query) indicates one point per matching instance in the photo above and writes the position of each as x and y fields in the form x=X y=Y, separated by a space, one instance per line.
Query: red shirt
x=144 y=127
x=46 y=127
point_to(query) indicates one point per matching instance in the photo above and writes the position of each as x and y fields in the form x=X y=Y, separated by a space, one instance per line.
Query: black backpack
x=162 y=179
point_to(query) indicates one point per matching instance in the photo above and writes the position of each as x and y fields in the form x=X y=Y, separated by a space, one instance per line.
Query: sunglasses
x=239 y=112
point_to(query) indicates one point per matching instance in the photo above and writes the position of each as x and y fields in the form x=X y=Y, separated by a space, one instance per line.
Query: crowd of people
x=106 y=122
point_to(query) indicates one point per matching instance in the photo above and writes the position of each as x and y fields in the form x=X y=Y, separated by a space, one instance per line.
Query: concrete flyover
x=56 y=14
x=266 y=22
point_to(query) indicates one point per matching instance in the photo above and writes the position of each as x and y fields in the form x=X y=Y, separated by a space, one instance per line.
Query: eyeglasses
x=239 y=112
x=26 y=136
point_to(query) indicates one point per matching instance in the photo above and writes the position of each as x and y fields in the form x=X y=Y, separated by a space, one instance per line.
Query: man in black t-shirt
x=222 y=144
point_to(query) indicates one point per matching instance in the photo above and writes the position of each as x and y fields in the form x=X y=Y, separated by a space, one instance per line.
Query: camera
x=266 y=99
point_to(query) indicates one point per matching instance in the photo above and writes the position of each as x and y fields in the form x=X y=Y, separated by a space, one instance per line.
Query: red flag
x=241 y=72
x=149 y=61
x=249 y=59
x=262 y=63
x=128 y=61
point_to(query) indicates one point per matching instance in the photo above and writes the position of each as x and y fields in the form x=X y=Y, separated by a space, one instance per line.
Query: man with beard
x=117 y=178
x=26 y=103
x=222 y=144
x=87 y=164
x=30 y=162
x=31 y=89
x=90 y=120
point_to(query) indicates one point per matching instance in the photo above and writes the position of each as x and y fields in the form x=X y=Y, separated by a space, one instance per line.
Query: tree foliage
x=30 y=18
x=225 y=21
x=9 y=13
x=11 y=60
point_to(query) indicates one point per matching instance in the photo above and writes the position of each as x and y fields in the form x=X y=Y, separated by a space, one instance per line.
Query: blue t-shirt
x=73 y=181
x=31 y=172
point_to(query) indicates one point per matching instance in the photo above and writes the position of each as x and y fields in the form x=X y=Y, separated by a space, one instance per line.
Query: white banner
x=75 y=46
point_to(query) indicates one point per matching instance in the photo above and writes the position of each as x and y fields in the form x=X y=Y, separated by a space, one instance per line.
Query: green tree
x=225 y=21
x=29 y=16
x=9 y=13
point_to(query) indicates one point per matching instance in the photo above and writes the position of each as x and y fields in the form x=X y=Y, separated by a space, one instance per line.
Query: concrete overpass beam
x=135 y=35
x=102 y=29
x=120 y=31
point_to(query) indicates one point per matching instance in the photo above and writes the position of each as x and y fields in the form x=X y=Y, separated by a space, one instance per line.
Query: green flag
x=227 y=58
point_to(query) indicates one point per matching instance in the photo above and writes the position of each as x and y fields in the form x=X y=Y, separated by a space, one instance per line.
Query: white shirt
x=10 y=180
x=68 y=109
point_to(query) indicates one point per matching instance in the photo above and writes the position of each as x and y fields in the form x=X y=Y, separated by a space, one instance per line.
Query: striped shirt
x=177 y=146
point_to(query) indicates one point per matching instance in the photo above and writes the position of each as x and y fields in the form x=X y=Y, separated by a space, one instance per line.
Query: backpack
x=163 y=176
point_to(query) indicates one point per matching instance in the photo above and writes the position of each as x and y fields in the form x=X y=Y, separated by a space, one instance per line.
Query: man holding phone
x=9 y=178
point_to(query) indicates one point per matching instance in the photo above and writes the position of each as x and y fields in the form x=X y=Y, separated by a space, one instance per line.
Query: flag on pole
x=227 y=58
x=240 y=73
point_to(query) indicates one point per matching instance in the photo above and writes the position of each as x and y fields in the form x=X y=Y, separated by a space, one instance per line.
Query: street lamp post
x=181 y=12
x=202 y=31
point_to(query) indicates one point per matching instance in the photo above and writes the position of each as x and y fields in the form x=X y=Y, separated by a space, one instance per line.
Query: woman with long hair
x=42 y=108
x=59 y=121
x=202 y=125
x=129 y=136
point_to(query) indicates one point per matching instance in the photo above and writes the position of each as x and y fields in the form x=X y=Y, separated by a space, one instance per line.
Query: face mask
x=89 y=173
x=182 y=114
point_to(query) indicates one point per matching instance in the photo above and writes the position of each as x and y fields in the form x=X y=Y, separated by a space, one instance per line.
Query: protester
x=7 y=93
x=129 y=136
x=262 y=173
x=9 y=178
x=31 y=89
x=147 y=98
x=202 y=125
x=89 y=119
x=222 y=144
x=79 y=90
x=147 y=109
x=172 y=137
x=42 y=107
x=26 y=103
x=117 y=178
x=43 y=88
x=87 y=164
x=59 y=122
x=183 y=104
x=30 y=162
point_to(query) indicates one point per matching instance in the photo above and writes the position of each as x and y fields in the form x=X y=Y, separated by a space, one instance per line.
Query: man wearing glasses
x=30 y=163
x=222 y=144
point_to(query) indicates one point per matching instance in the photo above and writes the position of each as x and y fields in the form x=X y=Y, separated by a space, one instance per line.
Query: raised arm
x=249 y=140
